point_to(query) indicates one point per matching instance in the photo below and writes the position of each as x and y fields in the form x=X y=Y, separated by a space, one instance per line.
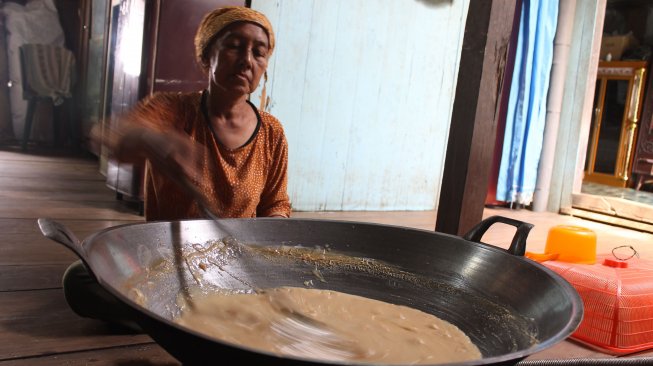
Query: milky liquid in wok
x=351 y=328
x=221 y=267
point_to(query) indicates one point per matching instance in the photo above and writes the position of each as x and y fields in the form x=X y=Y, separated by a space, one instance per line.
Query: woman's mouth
x=242 y=77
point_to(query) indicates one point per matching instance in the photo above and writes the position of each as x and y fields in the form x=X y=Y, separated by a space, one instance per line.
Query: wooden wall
x=365 y=92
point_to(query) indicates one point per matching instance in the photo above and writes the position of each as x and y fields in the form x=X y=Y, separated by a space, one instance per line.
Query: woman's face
x=238 y=58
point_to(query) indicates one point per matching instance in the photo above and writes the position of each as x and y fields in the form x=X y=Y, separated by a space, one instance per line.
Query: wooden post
x=473 y=128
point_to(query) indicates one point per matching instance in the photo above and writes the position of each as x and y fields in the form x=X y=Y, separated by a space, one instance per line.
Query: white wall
x=365 y=91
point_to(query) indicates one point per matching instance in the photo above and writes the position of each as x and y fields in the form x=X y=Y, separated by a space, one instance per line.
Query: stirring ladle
x=293 y=324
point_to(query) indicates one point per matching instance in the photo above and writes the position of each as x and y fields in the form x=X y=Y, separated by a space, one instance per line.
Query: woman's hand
x=170 y=152
x=175 y=154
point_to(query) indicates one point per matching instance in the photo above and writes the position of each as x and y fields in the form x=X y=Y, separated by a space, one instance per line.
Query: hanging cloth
x=49 y=72
x=527 y=102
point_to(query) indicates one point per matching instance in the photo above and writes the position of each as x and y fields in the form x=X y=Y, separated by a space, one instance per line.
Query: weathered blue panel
x=365 y=91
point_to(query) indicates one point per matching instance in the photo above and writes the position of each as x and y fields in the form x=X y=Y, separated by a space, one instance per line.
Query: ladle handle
x=518 y=244
x=62 y=235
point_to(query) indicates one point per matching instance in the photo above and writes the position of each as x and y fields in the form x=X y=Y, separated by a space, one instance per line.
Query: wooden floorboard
x=38 y=328
x=39 y=322
x=49 y=189
x=83 y=227
x=424 y=220
x=44 y=154
x=66 y=209
x=49 y=170
x=29 y=277
x=36 y=325
x=136 y=355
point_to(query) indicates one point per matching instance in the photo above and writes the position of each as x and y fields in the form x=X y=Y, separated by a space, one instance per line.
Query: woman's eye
x=232 y=44
x=260 y=52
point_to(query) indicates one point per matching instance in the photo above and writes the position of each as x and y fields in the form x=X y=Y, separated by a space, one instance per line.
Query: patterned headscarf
x=218 y=19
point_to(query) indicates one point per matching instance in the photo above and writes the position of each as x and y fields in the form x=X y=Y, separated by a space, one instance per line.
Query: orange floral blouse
x=249 y=181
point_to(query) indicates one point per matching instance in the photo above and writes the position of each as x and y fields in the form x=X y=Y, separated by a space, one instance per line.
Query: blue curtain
x=526 y=114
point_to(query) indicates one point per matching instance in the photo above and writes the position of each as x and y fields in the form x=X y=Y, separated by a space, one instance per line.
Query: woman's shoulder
x=271 y=122
x=272 y=132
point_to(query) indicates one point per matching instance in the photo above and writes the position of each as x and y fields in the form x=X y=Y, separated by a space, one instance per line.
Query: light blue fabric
x=526 y=114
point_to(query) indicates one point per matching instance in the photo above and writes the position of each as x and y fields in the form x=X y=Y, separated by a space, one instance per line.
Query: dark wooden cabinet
x=172 y=65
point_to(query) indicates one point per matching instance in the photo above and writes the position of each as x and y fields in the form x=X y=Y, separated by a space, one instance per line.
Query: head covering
x=220 y=18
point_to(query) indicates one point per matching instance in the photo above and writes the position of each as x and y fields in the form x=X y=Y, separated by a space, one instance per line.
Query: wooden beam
x=473 y=128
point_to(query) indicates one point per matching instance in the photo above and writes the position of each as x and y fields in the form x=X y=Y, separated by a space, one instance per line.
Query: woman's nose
x=247 y=57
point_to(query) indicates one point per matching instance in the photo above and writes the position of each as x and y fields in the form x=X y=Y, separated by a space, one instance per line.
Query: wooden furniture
x=643 y=160
x=617 y=110
x=47 y=69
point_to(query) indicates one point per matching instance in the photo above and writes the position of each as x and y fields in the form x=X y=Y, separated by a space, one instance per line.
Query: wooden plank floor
x=38 y=328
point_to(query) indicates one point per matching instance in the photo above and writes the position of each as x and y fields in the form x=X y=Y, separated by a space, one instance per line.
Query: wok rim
x=569 y=328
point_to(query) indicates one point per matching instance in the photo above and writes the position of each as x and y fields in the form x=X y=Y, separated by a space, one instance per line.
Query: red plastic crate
x=618 y=302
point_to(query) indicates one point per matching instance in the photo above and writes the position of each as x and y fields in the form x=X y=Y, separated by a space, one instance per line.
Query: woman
x=211 y=150
x=213 y=147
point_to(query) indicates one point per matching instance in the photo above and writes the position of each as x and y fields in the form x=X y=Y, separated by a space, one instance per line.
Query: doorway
x=622 y=108
x=616 y=112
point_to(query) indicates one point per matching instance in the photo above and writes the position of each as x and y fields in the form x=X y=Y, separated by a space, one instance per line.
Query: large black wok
x=509 y=306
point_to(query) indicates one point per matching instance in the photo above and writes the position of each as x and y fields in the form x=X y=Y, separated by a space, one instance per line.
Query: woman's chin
x=235 y=90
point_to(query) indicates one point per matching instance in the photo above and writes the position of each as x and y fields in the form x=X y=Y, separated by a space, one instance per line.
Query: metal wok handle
x=518 y=244
x=62 y=235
